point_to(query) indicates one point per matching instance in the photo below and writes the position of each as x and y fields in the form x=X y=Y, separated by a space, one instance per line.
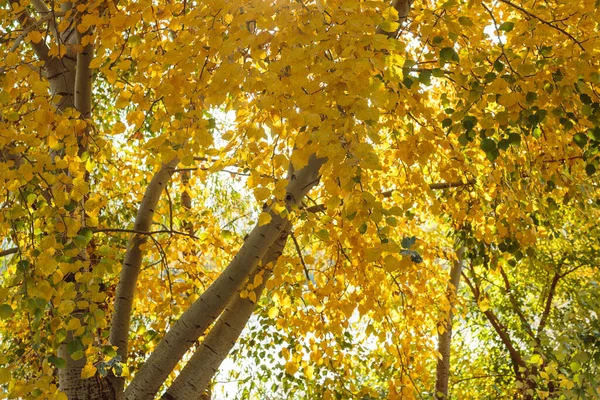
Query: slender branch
x=387 y=194
x=516 y=307
x=456 y=382
x=8 y=252
x=548 y=306
x=543 y=21
x=299 y=251
x=139 y=232
x=515 y=356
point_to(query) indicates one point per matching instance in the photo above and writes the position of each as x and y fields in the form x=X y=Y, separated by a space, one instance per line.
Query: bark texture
x=119 y=329
x=204 y=311
x=199 y=370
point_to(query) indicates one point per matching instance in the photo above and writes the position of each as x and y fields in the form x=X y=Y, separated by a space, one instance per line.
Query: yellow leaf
x=273 y=312
x=61 y=396
x=264 y=218
x=291 y=367
x=73 y=324
x=309 y=371
x=88 y=371
x=484 y=305
x=35 y=36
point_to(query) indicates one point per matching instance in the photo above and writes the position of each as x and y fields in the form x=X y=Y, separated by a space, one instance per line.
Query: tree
x=122 y=246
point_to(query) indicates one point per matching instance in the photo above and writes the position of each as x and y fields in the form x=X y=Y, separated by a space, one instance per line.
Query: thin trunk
x=132 y=262
x=444 y=340
x=199 y=370
x=204 y=311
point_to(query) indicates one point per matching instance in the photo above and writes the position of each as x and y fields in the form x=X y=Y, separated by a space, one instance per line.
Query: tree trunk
x=444 y=340
x=204 y=311
x=199 y=370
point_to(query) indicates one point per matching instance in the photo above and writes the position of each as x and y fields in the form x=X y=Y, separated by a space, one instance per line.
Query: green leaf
x=531 y=97
x=594 y=134
x=506 y=26
x=363 y=228
x=585 y=99
x=448 y=54
x=590 y=169
x=514 y=138
x=469 y=122
x=489 y=147
x=6 y=311
x=580 y=139
x=465 y=21
x=437 y=40
x=498 y=66
x=57 y=362
x=425 y=77
x=74 y=346
x=408 y=241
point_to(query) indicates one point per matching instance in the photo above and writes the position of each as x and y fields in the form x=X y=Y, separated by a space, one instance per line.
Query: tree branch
x=41 y=49
x=445 y=338
x=516 y=359
x=119 y=329
x=548 y=306
x=543 y=21
x=387 y=194
x=8 y=252
x=199 y=370
x=206 y=309
x=513 y=301
x=136 y=231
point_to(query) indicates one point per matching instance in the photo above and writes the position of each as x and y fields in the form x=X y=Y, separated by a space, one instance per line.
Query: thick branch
x=198 y=317
x=119 y=330
x=403 y=8
x=198 y=372
x=83 y=79
x=26 y=21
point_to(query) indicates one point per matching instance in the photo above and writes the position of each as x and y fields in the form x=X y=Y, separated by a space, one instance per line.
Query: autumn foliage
x=358 y=179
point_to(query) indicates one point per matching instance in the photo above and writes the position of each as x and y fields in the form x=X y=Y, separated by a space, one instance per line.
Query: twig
x=543 y=21
x=299 y=251
x=173 y=232
x=432 y=186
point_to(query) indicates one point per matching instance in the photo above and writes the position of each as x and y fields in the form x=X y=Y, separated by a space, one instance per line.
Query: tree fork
x=206 y=309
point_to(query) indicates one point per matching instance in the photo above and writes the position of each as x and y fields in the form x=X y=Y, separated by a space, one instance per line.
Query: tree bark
x=132 y=262
x=199 y=370
x=198 y=317
x=444 y=340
